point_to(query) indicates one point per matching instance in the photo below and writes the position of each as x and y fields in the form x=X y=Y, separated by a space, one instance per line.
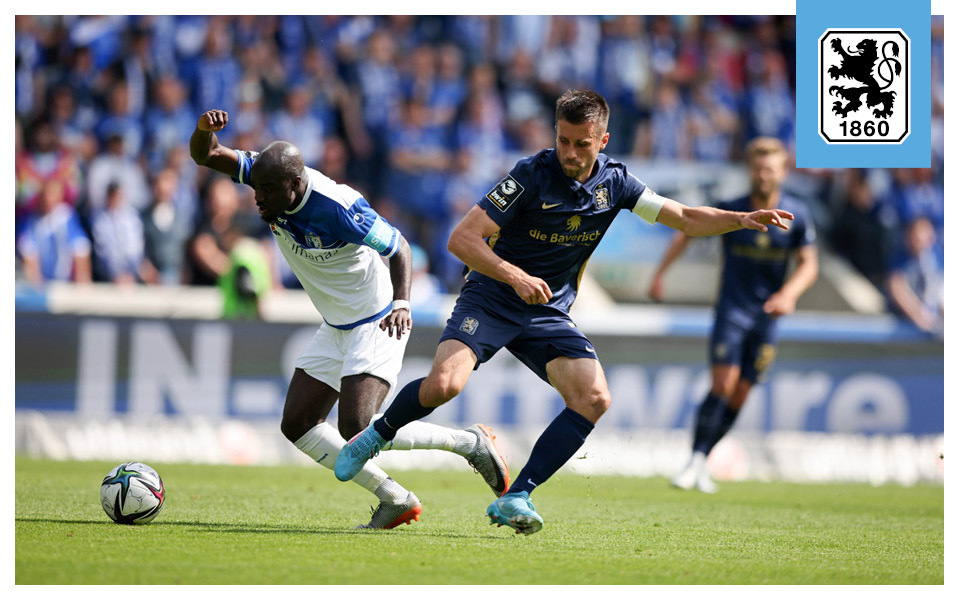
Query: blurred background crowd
x=421 y=114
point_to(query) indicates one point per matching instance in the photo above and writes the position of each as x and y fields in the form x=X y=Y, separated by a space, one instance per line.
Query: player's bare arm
x=401 y=274
x=784 y=301
x=468 y=243
x=205 y=148
x=706 y=220
x=677 y=245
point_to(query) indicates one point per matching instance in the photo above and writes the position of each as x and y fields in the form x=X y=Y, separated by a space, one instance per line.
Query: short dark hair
x=583 y=106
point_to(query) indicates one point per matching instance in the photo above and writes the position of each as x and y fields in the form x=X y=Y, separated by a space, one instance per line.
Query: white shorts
x=333 y=354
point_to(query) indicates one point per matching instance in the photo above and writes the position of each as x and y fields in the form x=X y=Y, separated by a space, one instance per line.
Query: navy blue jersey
x=755 y=262
x=550 y=224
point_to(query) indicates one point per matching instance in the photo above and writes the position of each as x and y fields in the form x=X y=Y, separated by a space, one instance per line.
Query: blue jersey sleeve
x=360 y=224
x=632 y=189
x=246 y=159
x=502 y=201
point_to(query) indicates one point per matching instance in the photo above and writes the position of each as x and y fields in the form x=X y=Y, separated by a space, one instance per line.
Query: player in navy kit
x=754 y=292
x=335 y=243
x=526 y=244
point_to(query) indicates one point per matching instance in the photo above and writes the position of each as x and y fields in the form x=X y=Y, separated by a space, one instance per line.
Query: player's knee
x=591 y=405
x=600 y=402
x=350 y=426
x=439 y=389
x=294 y=428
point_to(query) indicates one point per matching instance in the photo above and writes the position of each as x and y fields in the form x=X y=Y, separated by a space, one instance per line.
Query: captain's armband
x=648 y=205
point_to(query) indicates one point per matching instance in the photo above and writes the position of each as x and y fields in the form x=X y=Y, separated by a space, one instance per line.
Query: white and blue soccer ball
x=132 y=493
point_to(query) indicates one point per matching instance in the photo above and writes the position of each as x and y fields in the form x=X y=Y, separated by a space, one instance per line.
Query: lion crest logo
x=864 y=87
x=859 y=67
x=469 y=325
x=602 y=196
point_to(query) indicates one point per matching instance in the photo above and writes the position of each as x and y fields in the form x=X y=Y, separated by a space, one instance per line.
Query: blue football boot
x=515 y=510
x=355 y=453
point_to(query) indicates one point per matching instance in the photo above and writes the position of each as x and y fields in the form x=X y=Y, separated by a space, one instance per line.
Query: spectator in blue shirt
x=52 y=244
x=915 y=282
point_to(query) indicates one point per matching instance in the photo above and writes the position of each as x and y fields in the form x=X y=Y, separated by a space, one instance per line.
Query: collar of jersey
x=306 y=194
x=575 y=185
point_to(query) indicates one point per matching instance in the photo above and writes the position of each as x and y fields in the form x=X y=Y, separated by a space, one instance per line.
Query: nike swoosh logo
x=546 y=206
x=589 y=349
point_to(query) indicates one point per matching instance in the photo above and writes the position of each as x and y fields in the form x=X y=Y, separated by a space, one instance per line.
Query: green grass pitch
x=292 y=525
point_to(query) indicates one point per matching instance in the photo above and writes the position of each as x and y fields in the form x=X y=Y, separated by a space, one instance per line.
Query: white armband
x=648 y=205
x=398 y=304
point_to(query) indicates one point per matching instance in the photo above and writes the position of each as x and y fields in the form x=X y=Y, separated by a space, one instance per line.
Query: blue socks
x=714 y=420
x=556 y=445
x=404 y=409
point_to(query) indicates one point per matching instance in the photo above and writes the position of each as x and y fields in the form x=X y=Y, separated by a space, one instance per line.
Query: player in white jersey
x=333 y=241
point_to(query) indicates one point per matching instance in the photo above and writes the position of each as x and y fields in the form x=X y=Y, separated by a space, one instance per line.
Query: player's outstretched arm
x=205 y=148
x=706 y=220
x=468 y=243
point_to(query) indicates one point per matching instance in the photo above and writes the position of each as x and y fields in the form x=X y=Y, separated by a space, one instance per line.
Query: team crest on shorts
x=469 y=325
x=864 y=86
x=720 y=351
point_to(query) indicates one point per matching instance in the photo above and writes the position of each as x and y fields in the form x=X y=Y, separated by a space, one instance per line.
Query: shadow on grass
x=257 y=528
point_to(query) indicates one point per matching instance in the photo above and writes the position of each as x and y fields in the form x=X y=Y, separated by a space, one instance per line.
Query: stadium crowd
x=422 y=114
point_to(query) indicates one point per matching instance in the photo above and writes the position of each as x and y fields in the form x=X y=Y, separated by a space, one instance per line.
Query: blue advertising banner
x=100 y=368
x=863 y=84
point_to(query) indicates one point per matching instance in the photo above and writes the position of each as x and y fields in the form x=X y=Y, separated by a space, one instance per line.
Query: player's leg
x=759 y=352
x=476 y=444
x=724 y=378
x=314 y=389
x=360 y=397
x=726 y=344
x=451 y=368
x=708 y=421
x=583 y=387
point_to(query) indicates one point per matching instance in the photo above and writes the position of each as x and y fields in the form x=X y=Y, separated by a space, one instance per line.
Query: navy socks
x=556 y=445
x=714 y=420
x=729 y=416
x=404 y=409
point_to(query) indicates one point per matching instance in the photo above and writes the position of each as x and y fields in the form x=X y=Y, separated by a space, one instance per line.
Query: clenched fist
x=213 y=120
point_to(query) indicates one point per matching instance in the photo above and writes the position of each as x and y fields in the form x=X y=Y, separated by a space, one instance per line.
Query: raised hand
x=213 y=120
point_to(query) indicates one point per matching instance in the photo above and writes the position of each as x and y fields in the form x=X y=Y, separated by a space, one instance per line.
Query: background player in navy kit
x=754 y=291
x=334 y=241
x=527 y=243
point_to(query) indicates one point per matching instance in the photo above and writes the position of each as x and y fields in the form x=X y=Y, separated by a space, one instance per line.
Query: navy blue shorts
x=752 y=348
x=536 y=334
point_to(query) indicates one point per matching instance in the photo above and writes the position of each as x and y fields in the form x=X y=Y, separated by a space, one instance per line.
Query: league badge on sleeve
x=864 y=86
x=505 y=193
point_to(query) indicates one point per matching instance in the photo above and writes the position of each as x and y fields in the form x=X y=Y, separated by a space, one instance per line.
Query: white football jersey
x=333 y=241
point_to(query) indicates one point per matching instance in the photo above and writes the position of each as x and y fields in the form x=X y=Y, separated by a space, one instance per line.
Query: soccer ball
x=132 y=493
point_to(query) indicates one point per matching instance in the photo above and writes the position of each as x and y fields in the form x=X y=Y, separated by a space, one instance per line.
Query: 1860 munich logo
x=864 y=86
